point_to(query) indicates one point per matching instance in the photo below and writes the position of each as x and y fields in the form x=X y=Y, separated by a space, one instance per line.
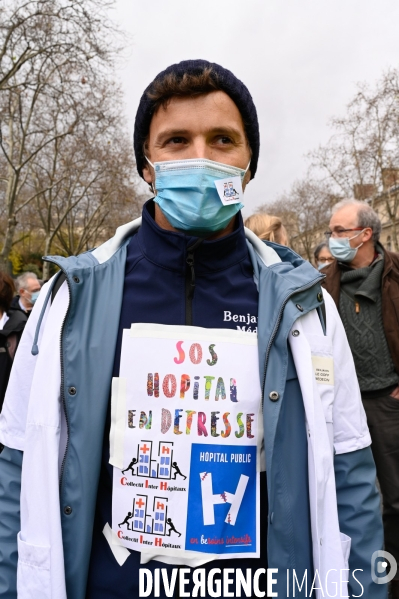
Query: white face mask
x=341 y=249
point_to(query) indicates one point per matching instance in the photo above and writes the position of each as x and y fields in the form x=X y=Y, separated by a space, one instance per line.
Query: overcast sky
x=300 y=59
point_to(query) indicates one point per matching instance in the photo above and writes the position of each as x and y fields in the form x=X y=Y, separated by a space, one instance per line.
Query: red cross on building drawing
x=144 y=449
x=140 y=502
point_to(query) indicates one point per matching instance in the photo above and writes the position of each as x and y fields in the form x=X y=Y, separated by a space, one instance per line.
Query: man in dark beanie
x=187 y=345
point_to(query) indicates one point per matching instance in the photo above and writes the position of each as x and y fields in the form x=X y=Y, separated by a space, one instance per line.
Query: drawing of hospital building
x=153 y=463
x=149 y=522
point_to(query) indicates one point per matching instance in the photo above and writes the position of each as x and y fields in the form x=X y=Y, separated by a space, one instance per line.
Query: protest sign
x=186 y=429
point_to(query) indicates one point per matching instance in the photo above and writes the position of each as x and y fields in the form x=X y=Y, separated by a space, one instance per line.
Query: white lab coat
x=32 y=421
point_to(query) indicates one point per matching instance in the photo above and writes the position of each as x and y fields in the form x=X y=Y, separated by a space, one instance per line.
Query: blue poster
x=223 y=488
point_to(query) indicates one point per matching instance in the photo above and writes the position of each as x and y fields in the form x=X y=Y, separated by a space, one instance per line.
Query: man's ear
x=148 y=174
x=246 y=179
x=369 y=233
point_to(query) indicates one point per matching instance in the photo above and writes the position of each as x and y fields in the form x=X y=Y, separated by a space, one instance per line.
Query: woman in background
x=12 y=323
x=268 y=228
x=322 y=255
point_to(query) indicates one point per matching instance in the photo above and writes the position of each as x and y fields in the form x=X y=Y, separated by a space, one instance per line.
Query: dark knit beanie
x=227 y=82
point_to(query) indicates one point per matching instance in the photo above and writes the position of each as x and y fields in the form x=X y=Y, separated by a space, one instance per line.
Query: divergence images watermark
x=233 y=582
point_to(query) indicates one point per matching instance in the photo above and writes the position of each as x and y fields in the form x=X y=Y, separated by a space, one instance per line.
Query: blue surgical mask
x=198 y=195
x=341 y=249
x=33 y=296
x=321 y=265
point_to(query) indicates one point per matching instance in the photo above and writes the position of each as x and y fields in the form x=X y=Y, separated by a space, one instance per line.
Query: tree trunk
x=395 y=236
x=5 y=263
x=10 y=198
x=5 y=266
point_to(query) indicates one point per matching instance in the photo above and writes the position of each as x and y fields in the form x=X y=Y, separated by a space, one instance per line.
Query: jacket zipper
x=62 y=393
x=276 y=326
x=190 y=281
x=62 y=379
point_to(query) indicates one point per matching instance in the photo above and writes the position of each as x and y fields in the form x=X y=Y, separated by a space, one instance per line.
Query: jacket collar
x=333 y=273
x=168 y=249
x=266 y=253
x=390 y=266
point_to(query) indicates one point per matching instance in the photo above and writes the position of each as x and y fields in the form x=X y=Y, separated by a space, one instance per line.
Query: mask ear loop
x=152 y=185
x=354 y=237
x=149 y=161
x=246 y=170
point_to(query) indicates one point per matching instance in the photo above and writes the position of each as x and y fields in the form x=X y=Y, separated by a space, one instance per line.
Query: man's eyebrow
x=231 y=131
x=171 y=133
x=226 y=131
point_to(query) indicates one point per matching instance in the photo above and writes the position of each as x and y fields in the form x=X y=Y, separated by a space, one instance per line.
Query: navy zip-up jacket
x=184 y=280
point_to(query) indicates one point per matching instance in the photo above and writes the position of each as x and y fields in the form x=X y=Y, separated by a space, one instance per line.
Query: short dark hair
x=190 y=84
x=7 y=291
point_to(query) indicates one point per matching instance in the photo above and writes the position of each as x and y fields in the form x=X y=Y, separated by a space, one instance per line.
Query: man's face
x=207 y=126
x=31 y=286
x=346 y=218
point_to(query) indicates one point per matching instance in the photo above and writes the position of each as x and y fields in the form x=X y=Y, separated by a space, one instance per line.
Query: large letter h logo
x=209 y=499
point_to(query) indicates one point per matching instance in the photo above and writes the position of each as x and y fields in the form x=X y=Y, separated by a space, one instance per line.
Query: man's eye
x=224 y=140
x=176 y=140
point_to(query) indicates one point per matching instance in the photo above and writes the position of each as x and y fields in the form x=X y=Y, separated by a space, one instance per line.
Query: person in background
x=12 y=323
x=364 y=283
x=28 y=289
x=322 y=255
x=267 y=228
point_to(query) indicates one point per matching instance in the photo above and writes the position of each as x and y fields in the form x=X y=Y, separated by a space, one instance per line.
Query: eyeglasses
x=325 y=260
x=339 y=232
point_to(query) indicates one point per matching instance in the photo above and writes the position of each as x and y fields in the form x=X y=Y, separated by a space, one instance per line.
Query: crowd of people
x=363 y=280
x=322 y=414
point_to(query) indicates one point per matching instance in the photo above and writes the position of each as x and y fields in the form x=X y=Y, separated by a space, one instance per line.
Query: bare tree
x=39 y=30
x=108 y=199
x=62 y=52
x=71 y=167
x=362 y=156
x=305 y=212
x=85 y=182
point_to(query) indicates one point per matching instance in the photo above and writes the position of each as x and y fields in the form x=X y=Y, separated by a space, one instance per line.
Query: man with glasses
x=364 y=283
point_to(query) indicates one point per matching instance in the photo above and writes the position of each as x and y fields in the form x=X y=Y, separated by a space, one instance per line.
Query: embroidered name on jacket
x=247 y=321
